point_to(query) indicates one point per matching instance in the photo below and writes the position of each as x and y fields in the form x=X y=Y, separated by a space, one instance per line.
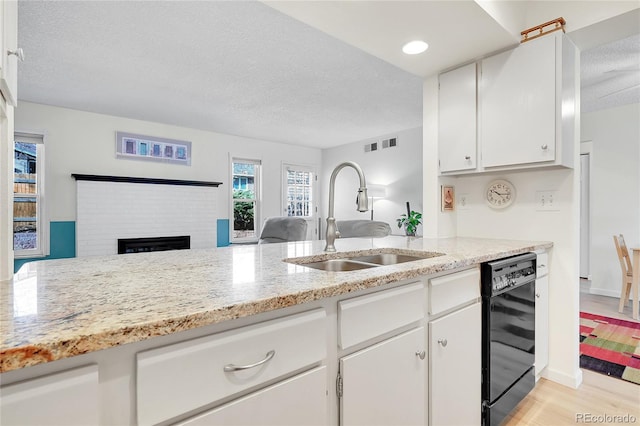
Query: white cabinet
x=527 y=104
x=542 y=314
x=455 y=368
x=385 y=384
x=457 y=119
x=359 y=318
x=9 y=43
x=455 y=348
x=187 y=376
x=67 y=398
x=301 y=400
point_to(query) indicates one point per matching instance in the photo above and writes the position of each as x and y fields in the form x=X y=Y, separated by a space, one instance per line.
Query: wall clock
x=500 y=194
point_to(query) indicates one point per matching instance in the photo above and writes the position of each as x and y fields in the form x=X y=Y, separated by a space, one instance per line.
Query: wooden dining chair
x=627 y=272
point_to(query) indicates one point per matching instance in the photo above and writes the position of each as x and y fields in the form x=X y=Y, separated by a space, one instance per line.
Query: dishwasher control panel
x=503 y=274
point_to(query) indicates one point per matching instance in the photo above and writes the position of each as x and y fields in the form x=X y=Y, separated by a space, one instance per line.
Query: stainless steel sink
x=363 y=261
x=339 y=265
x=388 y=258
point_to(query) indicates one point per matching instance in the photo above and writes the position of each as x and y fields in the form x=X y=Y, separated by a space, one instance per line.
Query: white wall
x=6 y=191
x=84 y=142
x=615 y=190
x=398 y=168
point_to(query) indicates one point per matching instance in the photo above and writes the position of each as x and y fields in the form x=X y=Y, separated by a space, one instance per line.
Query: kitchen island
x=61 y=314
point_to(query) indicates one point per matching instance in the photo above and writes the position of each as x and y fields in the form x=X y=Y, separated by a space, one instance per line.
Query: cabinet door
x=542 y=324
x=301 y=400
x=67 y=398
x=9 y=41
x=455 y=368
x=457 y=119
x=385 y=384
x=518 y=104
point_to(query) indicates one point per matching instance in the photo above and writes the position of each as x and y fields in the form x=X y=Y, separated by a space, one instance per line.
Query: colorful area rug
x=610 y=346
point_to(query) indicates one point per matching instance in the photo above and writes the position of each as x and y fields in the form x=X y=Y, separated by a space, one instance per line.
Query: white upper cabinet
x=527 y=104
x=9 y=46
x=515 y=111
x=457 y=119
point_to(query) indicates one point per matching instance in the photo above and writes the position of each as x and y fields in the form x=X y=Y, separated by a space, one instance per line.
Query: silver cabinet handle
x=443 y=342
x=544 y=147
x=230 y=367
x=538 y=295
x=542 y=265
x=467 y=157
x=18 y=52
x=421 y=354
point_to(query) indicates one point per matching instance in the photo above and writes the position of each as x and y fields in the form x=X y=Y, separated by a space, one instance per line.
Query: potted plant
x=410 y=222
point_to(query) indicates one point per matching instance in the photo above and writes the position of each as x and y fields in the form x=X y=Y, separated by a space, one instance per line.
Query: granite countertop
x=56 y=309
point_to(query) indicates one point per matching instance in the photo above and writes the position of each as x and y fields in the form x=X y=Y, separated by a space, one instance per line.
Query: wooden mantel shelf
x=155 y=181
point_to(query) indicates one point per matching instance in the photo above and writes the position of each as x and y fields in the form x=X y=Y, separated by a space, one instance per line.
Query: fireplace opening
x=140 y=245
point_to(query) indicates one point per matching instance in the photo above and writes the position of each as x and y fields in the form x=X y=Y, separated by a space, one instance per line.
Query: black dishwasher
x=508 y=334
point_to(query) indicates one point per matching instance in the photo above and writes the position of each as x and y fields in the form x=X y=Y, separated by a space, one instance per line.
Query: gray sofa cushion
x=283 y=229
x=363 y=228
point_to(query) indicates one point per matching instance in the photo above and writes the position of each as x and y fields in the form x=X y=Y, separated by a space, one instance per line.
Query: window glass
x=245 y=199
x=299 y=192
x=28 y=232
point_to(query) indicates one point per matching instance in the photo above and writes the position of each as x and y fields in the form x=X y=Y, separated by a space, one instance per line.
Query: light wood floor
x=551 y=404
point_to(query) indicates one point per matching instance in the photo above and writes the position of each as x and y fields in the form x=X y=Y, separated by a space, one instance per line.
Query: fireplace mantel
x=155 y=181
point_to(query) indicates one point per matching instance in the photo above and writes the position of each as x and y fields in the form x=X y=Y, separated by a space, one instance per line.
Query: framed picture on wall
x=448 y=198
x=152 y=148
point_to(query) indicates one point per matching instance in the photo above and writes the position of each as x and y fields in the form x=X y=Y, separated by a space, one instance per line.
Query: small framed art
x=151 y=148
x=448 y=198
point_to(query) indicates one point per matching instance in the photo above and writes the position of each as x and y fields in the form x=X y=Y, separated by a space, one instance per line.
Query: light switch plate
x=547 y=201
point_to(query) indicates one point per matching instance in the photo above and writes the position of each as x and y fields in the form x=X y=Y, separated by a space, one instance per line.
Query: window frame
x=311 y=203
x=257 y=200
x=313 y=230
x=42 y=221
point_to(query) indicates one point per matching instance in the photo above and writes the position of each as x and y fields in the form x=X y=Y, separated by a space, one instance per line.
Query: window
x=29 y=230
x=299 y=190
x=245 y=199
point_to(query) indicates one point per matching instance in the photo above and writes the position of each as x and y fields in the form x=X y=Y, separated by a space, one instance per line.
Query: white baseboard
x=572 y=381
x=604 y=292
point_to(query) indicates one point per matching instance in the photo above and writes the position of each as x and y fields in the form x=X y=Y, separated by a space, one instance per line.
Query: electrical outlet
x=385 y=143
x=547 y=201
x=374 y=146
x=392 y=142
x=463 y=202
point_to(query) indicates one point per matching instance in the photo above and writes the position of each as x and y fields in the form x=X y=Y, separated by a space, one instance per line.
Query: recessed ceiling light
x=415 y=47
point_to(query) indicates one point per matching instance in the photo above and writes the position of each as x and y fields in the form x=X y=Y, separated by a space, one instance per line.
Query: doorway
x=299 y=189
x=585 y=224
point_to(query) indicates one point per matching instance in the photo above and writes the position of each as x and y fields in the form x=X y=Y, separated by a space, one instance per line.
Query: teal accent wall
x=62 y=243
x=223 y=232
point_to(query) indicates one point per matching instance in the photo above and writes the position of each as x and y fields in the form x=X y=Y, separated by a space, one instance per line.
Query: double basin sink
x=364 y=261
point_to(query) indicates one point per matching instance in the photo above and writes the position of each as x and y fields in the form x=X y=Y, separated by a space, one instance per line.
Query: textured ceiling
x=238 y=68
x=610 y=74
x=244 y=68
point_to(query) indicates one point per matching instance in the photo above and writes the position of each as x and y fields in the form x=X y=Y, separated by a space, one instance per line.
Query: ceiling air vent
x=389 y=143
x=371 y=147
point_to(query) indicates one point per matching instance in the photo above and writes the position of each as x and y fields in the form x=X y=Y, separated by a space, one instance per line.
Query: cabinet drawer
x=185 y=376
x=452 y=290
x=67 y=398
x=305 y=396
x=365 y=317
x=542 y=264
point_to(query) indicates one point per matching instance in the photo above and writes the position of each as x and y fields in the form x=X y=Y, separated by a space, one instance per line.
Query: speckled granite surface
x=60 y=308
